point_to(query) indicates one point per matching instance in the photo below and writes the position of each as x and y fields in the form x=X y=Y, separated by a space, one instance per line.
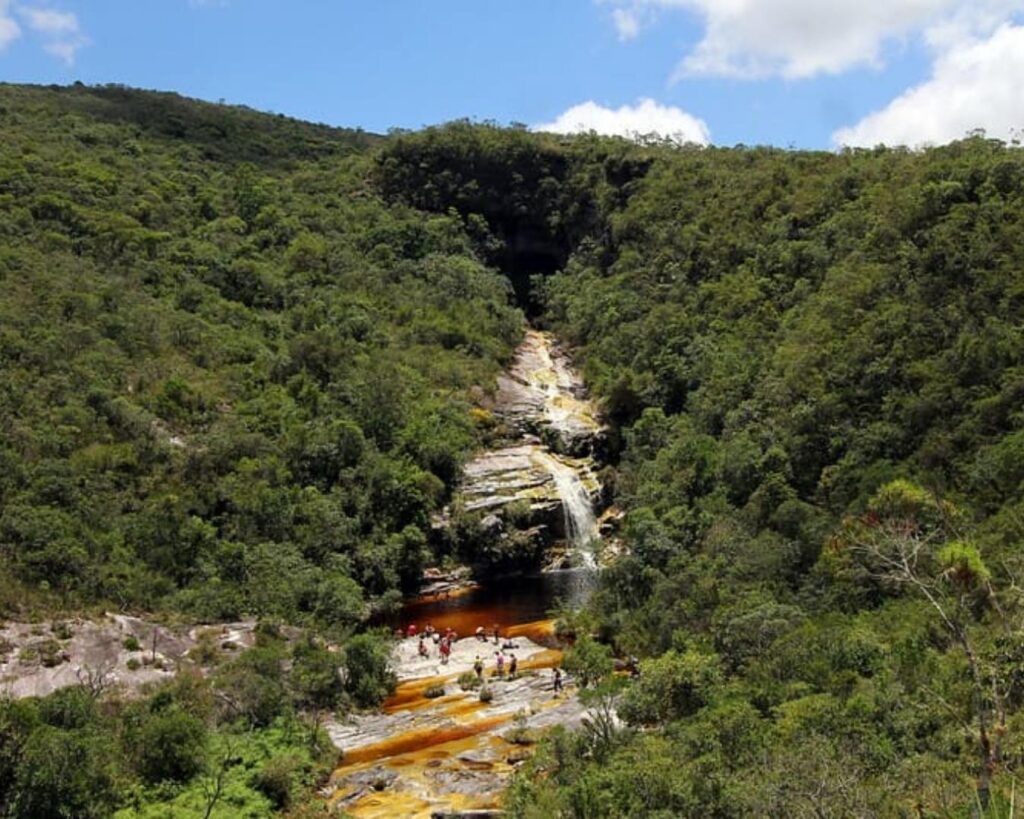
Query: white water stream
x=580 y=524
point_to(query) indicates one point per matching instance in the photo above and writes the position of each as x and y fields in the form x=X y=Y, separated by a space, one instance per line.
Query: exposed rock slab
x=449 y=754
x=40 y=658
x=542 y=393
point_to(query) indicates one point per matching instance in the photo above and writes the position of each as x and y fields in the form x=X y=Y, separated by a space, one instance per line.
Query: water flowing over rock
x=542 y=394
x=548 y=466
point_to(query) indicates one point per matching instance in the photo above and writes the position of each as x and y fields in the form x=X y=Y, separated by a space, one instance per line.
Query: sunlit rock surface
x=115 y=651
x=555 y=427
x=453 y=752
x=542 y=394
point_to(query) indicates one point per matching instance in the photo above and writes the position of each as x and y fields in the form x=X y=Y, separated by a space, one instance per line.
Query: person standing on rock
x=558 y=680
x=513 y=666
x=500 y=662
x=478 y=667
x=446 y=650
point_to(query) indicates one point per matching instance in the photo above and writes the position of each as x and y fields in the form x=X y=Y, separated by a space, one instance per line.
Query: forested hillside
x=226 y=387
x=238 y=361
x=814 y=364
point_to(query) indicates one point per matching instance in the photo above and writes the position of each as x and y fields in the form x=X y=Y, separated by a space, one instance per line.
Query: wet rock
x=543 y=394
x=466 y=782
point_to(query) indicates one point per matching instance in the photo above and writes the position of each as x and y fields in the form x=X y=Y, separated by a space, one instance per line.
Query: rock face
x=541 y=394
x=525 y=475
x=546 y=471
x=37 y=659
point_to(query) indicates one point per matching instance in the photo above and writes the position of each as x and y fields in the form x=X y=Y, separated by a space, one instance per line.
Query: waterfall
x=580 y=524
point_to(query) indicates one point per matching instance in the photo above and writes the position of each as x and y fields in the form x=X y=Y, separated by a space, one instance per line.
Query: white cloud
x=62 y=35
x=643 y=119
x=9 y=29
x=975 y=84
x=627 y=23
x=803 y=38
x=51 y=21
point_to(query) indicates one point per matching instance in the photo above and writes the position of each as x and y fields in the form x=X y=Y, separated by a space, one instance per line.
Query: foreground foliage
x=245 y=741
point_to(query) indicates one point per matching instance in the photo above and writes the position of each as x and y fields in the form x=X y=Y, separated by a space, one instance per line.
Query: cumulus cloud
x=804 y=38
x=62 y=35
x=975 y=84
x=645 y=118
x=9 y=29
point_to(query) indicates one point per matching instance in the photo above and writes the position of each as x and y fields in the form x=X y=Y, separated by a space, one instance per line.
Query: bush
x=131 y=643
x=434 y=691
x=469 y=681
x=62 y=631
x=205 y=651
x=276 y=780
x=486 y=694
x=369 y=677
x=51 y=654
x=588 y=661
x=671 y=687
x=133 y=664
x=169 y=746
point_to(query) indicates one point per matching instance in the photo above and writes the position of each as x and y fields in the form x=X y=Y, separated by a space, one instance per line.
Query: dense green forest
x=238 y=359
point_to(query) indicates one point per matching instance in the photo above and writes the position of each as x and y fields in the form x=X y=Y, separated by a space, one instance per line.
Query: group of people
x=444 y=642
x=499 y=666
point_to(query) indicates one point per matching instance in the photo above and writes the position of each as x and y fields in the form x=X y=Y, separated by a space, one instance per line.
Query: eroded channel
x=454 y=751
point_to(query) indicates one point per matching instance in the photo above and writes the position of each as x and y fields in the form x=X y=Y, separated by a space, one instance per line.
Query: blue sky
x=806 y=73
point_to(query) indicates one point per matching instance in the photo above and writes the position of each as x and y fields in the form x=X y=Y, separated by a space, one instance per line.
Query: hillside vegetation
x=814 y=366
x=226 y=387
x=238 y=356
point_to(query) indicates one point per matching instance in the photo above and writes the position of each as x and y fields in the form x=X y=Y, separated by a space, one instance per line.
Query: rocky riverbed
x=452 y=752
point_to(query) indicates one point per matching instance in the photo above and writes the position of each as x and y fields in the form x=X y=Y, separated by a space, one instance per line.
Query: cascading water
x=580 y=524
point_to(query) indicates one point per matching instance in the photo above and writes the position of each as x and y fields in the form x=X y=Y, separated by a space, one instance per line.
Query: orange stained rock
x=412 y=692
x=418 y=741
x=452 y=594
x=540 y=631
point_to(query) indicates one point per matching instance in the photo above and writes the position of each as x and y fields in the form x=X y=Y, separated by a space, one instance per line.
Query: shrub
x=434 y=691
x=469 y=681
x=62 y=631
x=133 y=664
x=51 y=654
x=486 y=694
x=131 y=643
x=276 y=780
x=588 y=661
x=169 y=746
x=369 y=677
x=205 y=651
x=520 y=734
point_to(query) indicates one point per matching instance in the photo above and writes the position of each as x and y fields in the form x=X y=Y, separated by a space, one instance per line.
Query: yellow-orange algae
x=418 y=741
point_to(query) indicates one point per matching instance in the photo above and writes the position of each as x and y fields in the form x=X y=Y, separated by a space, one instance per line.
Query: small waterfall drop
x=580 y=524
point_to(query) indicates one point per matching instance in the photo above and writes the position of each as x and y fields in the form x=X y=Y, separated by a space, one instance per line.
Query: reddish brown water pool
x=506 y=602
